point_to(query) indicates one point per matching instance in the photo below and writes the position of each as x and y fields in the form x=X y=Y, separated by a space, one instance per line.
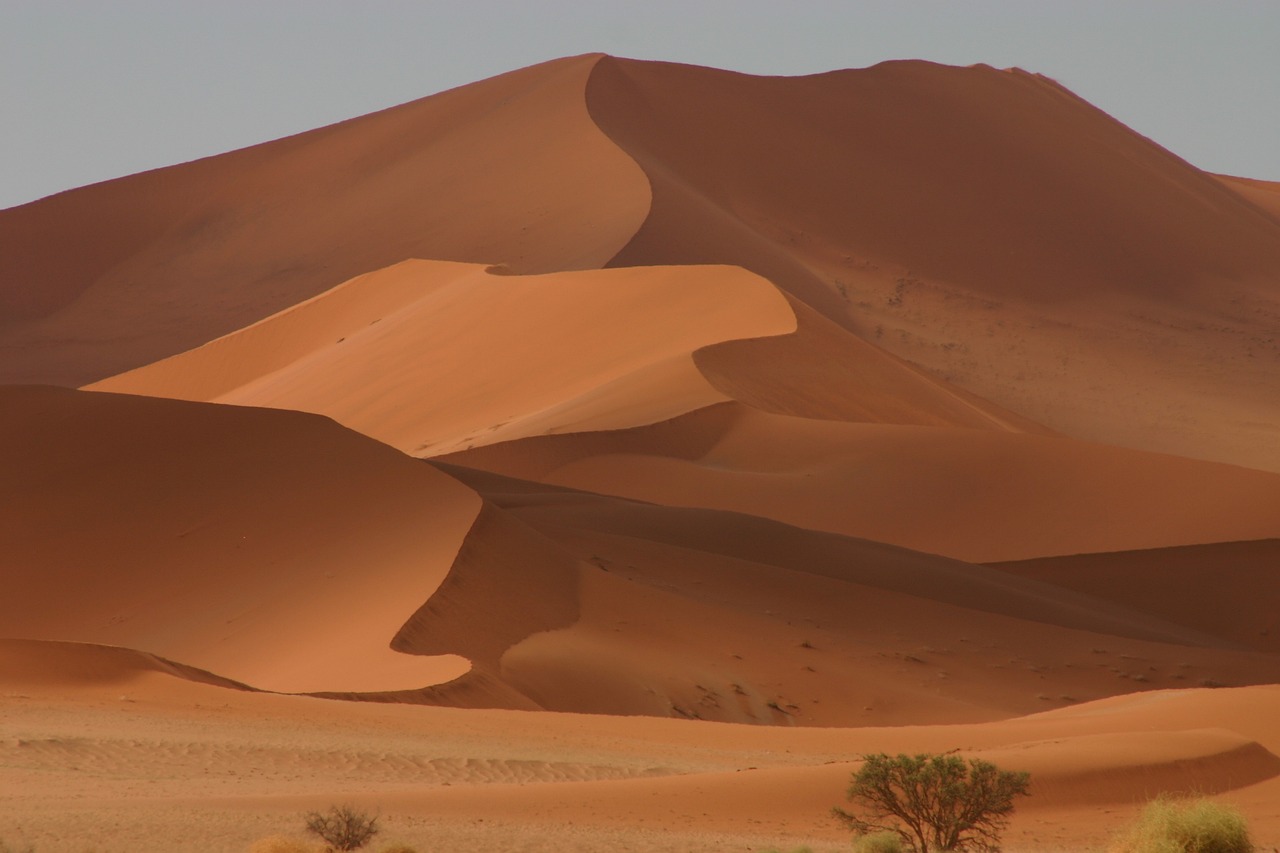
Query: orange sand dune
x=510 y=170
x=629 y=608
x=986 y=225
x=433 y=357
x=1229 y=589
x=273 y=548
x=1264 y=194
x=1001 y=181
x=975 y=495
x=825 y=371
x=817 y=347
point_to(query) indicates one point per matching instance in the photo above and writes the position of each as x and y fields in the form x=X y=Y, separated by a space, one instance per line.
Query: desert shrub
x=1195 y=826
x=6 y=847
x=933 y=802
x=878 y=842
x=280 y=844
x=342 y=827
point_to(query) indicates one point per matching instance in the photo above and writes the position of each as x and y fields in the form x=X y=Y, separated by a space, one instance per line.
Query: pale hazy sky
x=96 y=89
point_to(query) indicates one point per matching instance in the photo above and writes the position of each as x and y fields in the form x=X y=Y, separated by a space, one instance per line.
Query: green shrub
x=933 y=802
x=1195 y=826
x=878 y=842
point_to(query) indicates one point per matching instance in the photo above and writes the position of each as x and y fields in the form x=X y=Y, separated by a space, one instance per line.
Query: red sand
x=729 y=393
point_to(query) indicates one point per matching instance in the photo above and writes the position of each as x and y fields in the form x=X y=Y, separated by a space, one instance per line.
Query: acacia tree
x=934 y=802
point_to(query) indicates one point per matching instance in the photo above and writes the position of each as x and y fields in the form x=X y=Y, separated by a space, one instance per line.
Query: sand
x=609 y=454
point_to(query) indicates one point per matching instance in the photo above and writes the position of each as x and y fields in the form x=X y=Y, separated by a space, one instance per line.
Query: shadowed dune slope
x=1264 y=194
x=986 y=225
x=976 y=495
x=1229 y=588
x=825 y=371
x=433 y=357
x=509 y=171
x=999 y=180
x=274 y=548
x=575 y=602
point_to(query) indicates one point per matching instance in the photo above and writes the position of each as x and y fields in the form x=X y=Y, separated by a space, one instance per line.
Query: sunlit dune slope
x=273 y=548
x=987 y=225
x=433 y=357
x=510 y=171
x=976 y=495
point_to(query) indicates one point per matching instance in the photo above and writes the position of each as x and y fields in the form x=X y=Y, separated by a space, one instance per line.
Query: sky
x=97 y=89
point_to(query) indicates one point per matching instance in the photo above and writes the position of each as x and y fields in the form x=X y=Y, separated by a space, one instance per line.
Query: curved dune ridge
x=273 y=548
x=433 y=357
x=975 y=495
x=509 y=171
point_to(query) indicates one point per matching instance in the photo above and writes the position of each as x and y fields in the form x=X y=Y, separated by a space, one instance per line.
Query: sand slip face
x=975 y=495
x=506 y=171
x=276 y=549
x=433 y=357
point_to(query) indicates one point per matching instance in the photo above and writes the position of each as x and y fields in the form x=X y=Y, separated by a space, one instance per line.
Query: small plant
x=878 y=842
x=1196 y=826
x=933 y=802
x=342 y=827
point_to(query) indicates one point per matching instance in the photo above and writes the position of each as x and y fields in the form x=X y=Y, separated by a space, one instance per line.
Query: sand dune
x=975 y=495
x=507 y=171
x=824 y=405
x=987 y=225
x=433 y=357
x=273 y=548
x=1228 y=588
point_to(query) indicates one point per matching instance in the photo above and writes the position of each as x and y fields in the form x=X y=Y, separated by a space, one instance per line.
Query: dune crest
x=977 y=495
x=433 y=357
x=273 y=548
x=510 y=171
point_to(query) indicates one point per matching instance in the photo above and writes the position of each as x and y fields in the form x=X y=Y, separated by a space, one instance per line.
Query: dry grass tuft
x=1196 y=826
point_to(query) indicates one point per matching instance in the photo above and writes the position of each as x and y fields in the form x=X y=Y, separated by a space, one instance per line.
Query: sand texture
x=609 y=454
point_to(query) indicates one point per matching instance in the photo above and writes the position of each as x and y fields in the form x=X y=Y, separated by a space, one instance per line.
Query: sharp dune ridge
x=605 y=455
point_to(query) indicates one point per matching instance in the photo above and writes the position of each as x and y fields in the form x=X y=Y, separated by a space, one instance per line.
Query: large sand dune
x=273 y=548
x=508 y=171
x=632 y=447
